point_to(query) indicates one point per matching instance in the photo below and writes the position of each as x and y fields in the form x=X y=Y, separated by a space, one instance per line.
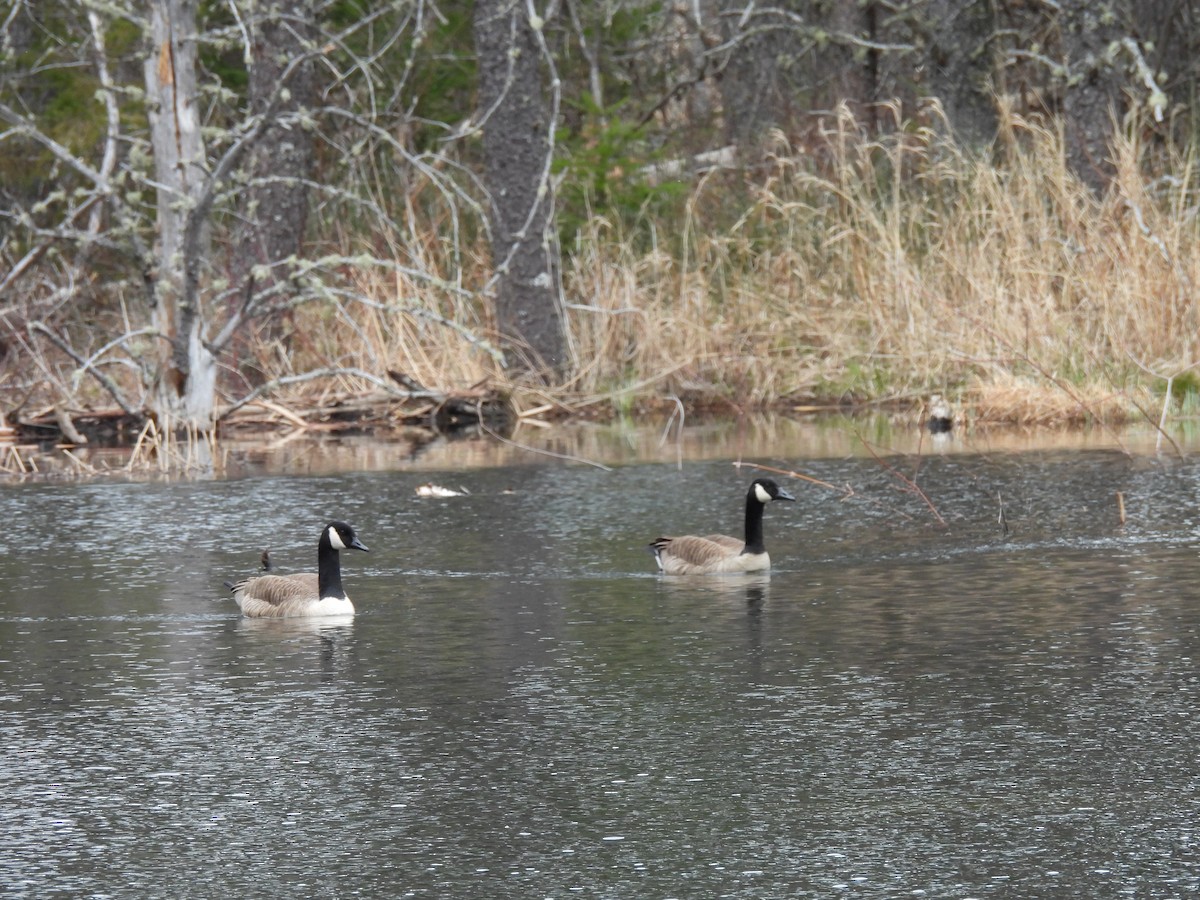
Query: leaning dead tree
x=184 y=369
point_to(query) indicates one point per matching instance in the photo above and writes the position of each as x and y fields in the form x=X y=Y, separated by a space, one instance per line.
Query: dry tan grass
x=1007 y=399
x=858 y=269
x=1004 y=280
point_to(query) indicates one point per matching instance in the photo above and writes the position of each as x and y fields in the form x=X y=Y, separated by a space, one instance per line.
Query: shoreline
x=658 y=436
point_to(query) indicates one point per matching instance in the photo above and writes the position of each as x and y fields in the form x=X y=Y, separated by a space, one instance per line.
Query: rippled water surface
x=522 y=708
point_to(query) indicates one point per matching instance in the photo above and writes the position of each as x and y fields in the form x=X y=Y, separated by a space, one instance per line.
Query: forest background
x=595 y=207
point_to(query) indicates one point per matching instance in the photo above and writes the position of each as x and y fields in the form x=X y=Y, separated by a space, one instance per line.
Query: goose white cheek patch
x=761 y=493
x=335 y=539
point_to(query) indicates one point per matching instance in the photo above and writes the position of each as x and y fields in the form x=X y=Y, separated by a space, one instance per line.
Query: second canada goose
x=322 y=594
x=941 y=416
x=719 y=553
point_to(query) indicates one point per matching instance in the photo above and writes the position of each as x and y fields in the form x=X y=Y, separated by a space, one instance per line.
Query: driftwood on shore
x=436 y=411
x=347 y=413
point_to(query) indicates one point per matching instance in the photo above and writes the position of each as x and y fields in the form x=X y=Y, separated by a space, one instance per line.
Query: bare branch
x=105 y=382
x=330 y=372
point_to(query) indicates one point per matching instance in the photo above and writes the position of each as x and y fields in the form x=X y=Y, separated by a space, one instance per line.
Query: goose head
x=764 y=490
x=340 y=536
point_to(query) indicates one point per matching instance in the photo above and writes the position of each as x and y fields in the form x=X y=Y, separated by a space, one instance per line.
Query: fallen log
x=376 y=412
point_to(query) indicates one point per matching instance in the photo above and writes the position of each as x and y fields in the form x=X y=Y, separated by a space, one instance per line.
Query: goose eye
x=335 y=539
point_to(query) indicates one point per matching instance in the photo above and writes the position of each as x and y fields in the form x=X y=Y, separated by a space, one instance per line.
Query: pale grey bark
x=185 y=377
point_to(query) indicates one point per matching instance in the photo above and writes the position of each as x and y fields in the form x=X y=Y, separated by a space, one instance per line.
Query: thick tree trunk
x=1092 y=94
x=276 y=204
x=516 y=143
x=184 y=378
x=767 y=81
x=961 y=65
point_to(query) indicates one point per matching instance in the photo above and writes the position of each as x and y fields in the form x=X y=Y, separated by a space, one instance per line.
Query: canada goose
x=941 y=416
x=274 y=596
x=719 y=553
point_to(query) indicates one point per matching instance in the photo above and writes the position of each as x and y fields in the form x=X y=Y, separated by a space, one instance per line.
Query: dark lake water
x=523 y=708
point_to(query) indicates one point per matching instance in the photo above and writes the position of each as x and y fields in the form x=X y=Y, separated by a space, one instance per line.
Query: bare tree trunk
x=185 y=371
x=516 y=144
x=276 y=205
x=1090 y=30
x=961 y=63
x=758 y=84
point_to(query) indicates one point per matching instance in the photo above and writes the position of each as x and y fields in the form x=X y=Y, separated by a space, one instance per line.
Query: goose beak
x=356 y=544
x=784 y=495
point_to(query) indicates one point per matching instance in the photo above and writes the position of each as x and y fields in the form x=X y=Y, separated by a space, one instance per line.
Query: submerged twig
x=846 y=491
x=511 y=443
x=13 y=463
x=148 y=437
x=791 y=473
x=910 y=484
x=1168 y=394
x=677 y=412
x=85 y=467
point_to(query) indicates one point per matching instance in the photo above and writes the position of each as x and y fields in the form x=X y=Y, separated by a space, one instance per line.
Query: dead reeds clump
x=869 y=269
x=851 y=268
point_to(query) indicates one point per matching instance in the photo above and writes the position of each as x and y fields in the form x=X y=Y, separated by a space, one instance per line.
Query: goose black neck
x=329 y=570
x=754 y=526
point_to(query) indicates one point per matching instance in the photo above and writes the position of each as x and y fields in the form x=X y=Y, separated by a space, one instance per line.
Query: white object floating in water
x=429 y=489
